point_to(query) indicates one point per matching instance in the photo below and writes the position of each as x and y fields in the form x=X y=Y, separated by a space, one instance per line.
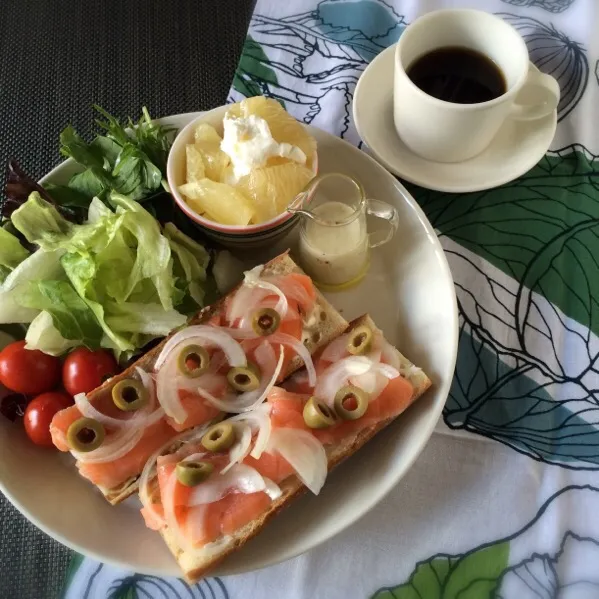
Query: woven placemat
x=57 y=58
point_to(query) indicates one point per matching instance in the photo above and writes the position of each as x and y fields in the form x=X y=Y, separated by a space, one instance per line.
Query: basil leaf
x=72 y=146
x=88 y=183
x=108 y=149
x=67 y=196
x=134 y=174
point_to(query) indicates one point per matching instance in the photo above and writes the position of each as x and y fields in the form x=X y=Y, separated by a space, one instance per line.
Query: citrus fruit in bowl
x=239 y=196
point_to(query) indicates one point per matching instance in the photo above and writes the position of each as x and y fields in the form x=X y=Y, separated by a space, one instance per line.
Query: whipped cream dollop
x=249 y=144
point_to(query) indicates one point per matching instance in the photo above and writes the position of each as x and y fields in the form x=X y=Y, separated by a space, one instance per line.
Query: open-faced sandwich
x=226 y=360
x=215 y=487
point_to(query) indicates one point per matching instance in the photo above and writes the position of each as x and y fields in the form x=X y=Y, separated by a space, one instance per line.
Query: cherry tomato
x=28 y=371
x=39 y=414
x=84 y=370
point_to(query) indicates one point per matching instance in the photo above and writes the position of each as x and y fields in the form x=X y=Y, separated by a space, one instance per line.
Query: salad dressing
x=333 y=253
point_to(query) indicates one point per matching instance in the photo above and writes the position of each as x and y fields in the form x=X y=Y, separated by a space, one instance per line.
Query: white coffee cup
x=449 y=132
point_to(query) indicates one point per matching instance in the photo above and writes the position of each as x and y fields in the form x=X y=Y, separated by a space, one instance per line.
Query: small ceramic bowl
x=233 y=236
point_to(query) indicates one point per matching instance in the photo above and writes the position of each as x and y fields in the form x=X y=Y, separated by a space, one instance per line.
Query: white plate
x=409 y=292
x=518 y=146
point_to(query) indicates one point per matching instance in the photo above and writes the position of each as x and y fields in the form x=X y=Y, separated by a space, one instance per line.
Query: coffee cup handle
x=545 y=88
x=387 y=213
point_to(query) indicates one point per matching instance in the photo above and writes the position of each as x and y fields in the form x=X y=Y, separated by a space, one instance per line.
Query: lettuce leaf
x=145 y=319
x=12 y=253
x=116 y=281
x=71 y=316
x=153 y=253
x=39 y=266
x=43 y=335
x=81 y=271
x=40 y=222
x=190 y=261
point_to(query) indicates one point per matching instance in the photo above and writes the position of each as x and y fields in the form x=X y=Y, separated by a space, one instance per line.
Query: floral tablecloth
x=503 y=502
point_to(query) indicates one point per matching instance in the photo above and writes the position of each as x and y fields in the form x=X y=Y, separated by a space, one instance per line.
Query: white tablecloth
x=503 y=502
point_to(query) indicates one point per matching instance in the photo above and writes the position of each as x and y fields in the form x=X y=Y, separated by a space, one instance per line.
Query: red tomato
x=84 y=370
x=28 y=371
x=39 y=414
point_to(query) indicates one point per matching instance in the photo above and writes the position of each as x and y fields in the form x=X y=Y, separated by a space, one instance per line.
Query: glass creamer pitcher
x=334 y=241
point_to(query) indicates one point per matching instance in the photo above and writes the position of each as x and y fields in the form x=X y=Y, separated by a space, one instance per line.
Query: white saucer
x=519 y=145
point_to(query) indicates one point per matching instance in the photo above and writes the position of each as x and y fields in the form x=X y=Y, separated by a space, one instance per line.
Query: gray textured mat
x=56 y=59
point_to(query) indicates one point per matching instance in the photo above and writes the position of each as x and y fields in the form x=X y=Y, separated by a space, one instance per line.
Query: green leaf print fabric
x=502 y=503
x=446 y=577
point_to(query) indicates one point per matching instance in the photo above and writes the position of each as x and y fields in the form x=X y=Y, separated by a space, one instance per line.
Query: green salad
x=100 y=261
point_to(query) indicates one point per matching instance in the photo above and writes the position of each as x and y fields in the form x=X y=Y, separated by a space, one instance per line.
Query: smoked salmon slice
x=301 y=297
x=287 y=411
x=205 y=523
x=199 y=411
x=109 y=475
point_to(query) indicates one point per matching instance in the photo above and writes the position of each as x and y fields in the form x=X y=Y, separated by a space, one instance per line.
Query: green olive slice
x=351 y=402
x=244 y=378
x=191 y=474
x=265 y=321
x=219 y=437
x=317 y=414
x=193 y=361
x=130 y=395
x=360 y=340
x=85 y=434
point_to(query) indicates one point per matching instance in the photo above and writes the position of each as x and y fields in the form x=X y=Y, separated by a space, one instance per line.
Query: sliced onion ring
x=305 y=455
x=239 y=479
x=88 y=411
x=261 y=418
x=337 y=375
x=149 y=470
x=271 y=488
x=292 y=289
x=247 y=401
x=390 y=355
x=300 y=349
x=245 y=323
x=152 y=414
x=204 y=335
x=373 y=382
x=169 y=379
x=238 y=333
x=241 y=298
x=386 y=370
x=253 y=290
x=141 y=418
x=256 y=421
x=241 y=447
x=266 y=357
x=113 y=448
x=252 y=279
x=336 y=350
x=246 y=300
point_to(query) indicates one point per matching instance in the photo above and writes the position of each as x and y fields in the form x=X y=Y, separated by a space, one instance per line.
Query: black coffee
x=458 y=75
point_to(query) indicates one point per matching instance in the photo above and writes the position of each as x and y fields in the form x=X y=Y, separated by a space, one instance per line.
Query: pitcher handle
x=387 y=213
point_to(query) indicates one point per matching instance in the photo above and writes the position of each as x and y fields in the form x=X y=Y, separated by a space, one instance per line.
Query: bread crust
x=195 y=567
x=317 y=335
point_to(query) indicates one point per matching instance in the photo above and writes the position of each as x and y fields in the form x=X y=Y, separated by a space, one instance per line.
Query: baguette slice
x=320 y=327
x=196 y=566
